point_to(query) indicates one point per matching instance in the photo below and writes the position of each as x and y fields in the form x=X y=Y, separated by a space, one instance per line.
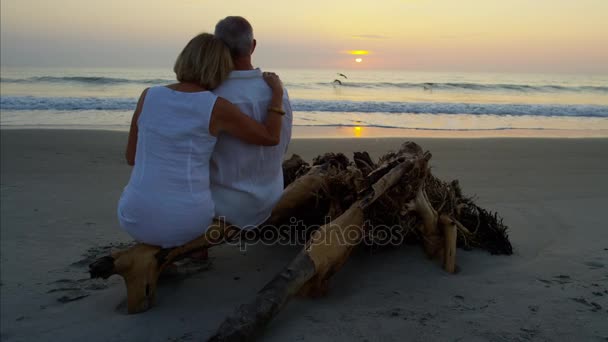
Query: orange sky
x=455 y=35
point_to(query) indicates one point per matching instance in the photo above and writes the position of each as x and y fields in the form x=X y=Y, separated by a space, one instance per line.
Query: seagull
x=339 y=74
x=337 y=82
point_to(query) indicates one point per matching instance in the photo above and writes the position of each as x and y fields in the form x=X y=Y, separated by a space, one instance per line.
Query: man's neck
x=243 y=63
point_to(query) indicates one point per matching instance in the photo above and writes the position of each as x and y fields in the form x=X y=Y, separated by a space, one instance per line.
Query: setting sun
x=359 y=52
x=358 y=60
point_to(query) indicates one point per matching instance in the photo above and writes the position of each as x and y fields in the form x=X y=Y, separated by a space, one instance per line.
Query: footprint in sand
x=63 y=289
x=94 y=253
x=73 y=296
x=562 y=279
x=595 y=307
x=426 y=317
x=546 y=282
x=69 y=290
x=594 y=265
x=533 y=308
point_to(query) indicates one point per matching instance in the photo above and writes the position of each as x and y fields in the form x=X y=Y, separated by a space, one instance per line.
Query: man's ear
x=253 y=47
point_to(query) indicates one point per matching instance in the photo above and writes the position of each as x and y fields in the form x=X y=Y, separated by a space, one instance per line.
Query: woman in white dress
x=167 y=201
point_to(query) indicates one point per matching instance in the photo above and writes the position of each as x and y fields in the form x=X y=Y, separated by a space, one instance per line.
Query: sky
x=425 y=35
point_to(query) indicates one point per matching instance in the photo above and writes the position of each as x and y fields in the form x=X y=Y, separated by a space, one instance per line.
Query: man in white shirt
x=246 y=180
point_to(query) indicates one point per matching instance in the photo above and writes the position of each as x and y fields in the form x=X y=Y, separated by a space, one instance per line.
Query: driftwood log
x=398 y=192
x=141 y=265
x=356 y=198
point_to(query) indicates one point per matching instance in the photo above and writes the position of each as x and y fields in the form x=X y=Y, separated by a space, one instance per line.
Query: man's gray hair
x=237 y=34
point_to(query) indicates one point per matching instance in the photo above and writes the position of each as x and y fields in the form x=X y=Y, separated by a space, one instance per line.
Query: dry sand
x=59 y=194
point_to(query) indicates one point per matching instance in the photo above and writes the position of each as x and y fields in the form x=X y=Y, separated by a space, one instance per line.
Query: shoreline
x=58 y=212
x=366 y=132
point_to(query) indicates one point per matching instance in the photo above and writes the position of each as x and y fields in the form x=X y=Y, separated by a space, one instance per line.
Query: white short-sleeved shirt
x=247 y=180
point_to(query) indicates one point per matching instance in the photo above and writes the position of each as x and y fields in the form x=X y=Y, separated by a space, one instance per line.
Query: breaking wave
x=32 y=103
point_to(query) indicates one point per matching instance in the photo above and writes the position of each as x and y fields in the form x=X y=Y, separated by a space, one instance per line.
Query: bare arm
x=132 y=143
x=227 y=118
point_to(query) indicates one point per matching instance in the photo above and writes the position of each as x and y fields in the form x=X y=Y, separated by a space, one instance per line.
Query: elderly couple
x=210 y=145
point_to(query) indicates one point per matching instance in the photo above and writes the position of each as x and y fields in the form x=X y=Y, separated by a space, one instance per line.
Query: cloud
x=370 y=36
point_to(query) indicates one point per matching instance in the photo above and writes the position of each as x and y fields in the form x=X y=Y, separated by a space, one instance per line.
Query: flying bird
x=339 y=74
x=428 y=86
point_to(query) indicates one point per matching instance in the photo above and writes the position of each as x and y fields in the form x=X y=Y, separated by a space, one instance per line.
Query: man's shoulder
x=250 y=89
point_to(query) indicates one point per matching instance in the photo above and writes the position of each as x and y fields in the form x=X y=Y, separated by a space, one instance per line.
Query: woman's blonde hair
x=205 y=61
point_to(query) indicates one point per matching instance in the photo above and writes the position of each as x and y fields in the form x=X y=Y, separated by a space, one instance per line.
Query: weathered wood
x=428 y=229
x=141 y=265
x=293 y=168
x=398 y=193
x=449 y=250
x=364 y=162
x=326 y=252
x=307 y=197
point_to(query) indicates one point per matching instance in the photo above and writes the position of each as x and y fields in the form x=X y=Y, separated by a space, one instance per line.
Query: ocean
x=332 y=102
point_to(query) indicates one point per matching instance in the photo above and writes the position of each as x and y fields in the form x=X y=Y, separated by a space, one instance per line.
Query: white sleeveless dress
x=167 y=201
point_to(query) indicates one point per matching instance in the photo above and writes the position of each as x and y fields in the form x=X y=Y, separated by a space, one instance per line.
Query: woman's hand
x=227 y=117
x=274 y=82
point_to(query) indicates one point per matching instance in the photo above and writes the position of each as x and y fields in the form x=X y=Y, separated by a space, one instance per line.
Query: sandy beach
x=59 y=190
